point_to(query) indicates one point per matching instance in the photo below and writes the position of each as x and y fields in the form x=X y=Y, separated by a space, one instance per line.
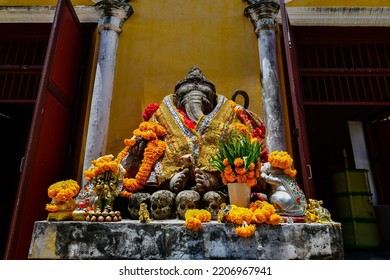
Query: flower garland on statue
x=282 y=160
x=61 y=192
x=155 y=148
x=103 y=164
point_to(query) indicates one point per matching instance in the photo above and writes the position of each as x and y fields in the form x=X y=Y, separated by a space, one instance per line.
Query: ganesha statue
x=171 y=149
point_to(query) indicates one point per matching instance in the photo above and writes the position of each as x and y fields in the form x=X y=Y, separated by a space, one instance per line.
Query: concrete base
x=170 y=239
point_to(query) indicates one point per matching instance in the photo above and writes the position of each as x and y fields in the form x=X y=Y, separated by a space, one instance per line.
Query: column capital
x=113 y=13
x=262 y=14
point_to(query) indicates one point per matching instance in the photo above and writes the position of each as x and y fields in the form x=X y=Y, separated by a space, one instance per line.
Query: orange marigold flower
x=228 y=169
x=238 y=162
x=224 y=180
x=275 y=219
x=251 y=166
x=230 y=177
x=193 y=223
x=280 y=159
x=245 y=231
x=259 y=216
x=51 y=207
x=242 y=179
x=251 y=182
x=130 y=142
x=250 y=175
x=290 y=172
x=239 y=127
x=240 y=170
x=125 y=194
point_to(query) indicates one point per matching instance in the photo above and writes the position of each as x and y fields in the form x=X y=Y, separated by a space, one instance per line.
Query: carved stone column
x=113 y=14
x=262 y=14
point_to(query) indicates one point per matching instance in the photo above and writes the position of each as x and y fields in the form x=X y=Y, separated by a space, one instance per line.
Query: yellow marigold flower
x=63 y=190
x=275 y=219
x=280 y=159
x=259 y=216
x=51 y=207
x=237 y=215
x=201 y=214
x=238 y=162
x=245 y=231
x=254 y=140
x=239 y=127
x=255 y=205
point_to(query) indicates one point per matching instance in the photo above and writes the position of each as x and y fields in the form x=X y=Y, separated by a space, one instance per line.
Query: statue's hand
x=268 y=175
x=270 y=179
x=202 y=181
x=206 y=181
x=179 y=181
x=138 y=149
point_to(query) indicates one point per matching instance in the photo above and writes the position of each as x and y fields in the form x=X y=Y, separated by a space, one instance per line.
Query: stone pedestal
x=171 y=240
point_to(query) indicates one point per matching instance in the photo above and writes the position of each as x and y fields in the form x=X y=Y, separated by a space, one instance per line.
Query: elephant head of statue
x=195 y=95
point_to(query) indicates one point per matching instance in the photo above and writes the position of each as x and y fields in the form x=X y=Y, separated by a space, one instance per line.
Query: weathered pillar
x=262 y=14
x=113 y=14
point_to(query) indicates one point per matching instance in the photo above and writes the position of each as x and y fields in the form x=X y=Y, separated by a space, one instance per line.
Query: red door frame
x=49 y=142
x=299 y=120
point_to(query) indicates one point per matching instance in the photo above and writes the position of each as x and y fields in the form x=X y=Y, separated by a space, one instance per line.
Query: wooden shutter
x=299 y=121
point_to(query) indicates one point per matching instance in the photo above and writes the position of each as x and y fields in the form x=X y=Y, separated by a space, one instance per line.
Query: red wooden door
x=299 y=120
x=48 y=147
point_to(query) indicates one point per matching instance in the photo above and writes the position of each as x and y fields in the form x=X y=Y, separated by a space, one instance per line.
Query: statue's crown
x=195 y=77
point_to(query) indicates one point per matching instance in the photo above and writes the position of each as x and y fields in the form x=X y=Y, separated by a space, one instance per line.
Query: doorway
x=344 y=76
x=23 y=53
x=15 y=121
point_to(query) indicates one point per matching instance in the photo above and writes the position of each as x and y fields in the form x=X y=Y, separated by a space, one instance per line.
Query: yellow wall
x=163 y=39
x=301 y=3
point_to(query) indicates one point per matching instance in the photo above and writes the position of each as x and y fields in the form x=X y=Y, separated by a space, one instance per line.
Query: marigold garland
x=103 y=164
x=155 y=148
x=63 y=190
x=246 y=230
x=259 y=212
x=282 y=160
x=195 y=217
